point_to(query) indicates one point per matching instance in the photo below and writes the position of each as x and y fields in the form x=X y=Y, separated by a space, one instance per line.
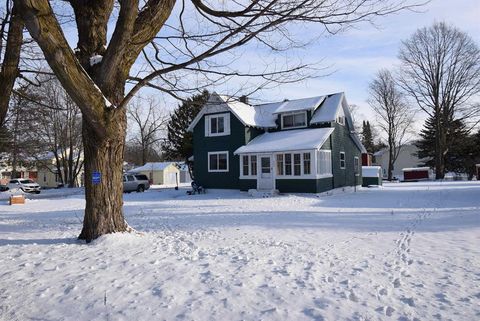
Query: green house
x=305 y=145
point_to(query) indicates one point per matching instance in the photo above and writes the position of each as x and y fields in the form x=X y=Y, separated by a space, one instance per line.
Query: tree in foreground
x=96 y=73
x=394 y=115
x=440 y=70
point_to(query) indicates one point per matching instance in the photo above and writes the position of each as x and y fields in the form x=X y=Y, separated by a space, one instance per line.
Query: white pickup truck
x=135 y=182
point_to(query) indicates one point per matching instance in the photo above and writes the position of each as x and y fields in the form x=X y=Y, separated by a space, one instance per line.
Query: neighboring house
x=304 y=145
x=159 y=173
x=407 y=158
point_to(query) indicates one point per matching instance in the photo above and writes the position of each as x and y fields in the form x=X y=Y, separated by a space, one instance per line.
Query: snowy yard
x=402 y=252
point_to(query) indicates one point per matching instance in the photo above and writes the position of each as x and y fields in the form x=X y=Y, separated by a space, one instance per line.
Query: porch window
x=288 y=164
x=245 y=165
x=279 y=164
x=306 y=164
x=253 y=165
x=218 y=161
x=297 y=165
x=342 y=160
x=324 y=162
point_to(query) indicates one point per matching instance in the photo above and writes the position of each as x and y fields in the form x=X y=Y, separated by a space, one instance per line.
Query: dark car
x=4 y=188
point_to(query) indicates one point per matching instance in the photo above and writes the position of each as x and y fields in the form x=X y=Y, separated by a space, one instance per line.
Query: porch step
x=262 y=193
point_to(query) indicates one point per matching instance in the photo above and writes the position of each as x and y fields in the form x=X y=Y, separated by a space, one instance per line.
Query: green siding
x=371 y=181
x=341 y=141
x=246 y=184
x=303 y=185
x=203 y=145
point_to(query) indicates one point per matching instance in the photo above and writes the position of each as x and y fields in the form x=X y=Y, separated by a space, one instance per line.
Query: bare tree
x=394 y=115
x=440 y=69
x=147 y=123
x=56 y=129
x=96 y=74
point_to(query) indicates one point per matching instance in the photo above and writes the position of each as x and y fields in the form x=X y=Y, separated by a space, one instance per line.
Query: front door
x=265 y=174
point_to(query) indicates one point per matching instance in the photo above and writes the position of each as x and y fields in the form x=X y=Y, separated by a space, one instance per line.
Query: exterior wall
x=406 y=159
x=158 y=177
x=229 y=143
x=371 y=181
x=171 y=169
x=47 y=179
x=341 y=141
x=246 y=184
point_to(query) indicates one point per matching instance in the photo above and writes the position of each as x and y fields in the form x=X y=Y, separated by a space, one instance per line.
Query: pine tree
x=179 y=144
x=367 y=137
x=459 y=155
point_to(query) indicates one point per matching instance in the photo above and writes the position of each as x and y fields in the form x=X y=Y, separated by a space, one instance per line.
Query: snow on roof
x=298 y=104
x=289 y=140
x=251 y=115
x=156 y=166
x=371 y=171
x=416 y=169
x=329 y=109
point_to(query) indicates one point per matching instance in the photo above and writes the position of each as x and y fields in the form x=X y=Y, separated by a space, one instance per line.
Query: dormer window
x=217 y=125
x=296 y=120
x=341 y=120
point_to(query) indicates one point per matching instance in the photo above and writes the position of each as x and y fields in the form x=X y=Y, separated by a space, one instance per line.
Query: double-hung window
x=297 y=120
x=217 y=125
x=249 y=166
x=218 y=161
x=342 y=160
x=294 y=164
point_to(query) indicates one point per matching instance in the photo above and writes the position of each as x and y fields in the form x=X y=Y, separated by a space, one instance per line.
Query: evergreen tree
x=459 y=155
x=367 y=137
x=179 y=143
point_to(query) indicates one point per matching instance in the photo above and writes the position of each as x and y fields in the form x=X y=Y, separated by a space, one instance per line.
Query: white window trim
x=226 y=125
x=344 y=160
x=218 y=170
x=328 y=151
x=302 y=175
x=294 y=113
x=249 y=176
x=358 y=168
x=341 y=123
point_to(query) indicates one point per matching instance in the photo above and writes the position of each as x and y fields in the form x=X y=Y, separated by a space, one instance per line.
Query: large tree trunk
x=104 y=201
x=439 y=149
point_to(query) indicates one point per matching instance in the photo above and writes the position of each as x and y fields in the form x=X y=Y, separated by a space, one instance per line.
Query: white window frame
x=344 y=160
x=302 y=175
x=226 y=125
x=328 y=164
x=218 y=170
x=250 y=175
x=293 y=114
x=341 y=120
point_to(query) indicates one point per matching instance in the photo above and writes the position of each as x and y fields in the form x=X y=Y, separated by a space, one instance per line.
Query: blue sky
x=358 y=54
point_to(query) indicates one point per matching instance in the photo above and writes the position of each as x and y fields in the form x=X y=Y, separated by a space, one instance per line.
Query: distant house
x=159 y=173
x=407 y=158
x=303 y=145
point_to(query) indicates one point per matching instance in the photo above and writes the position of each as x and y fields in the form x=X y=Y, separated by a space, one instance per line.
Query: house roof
x=297 y=105
x=288 y=140
x=329 y=109
x=156 y=166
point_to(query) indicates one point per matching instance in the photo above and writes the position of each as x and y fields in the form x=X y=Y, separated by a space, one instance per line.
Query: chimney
x=244 y=99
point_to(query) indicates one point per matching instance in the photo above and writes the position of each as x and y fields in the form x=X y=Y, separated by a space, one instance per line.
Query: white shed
x=160 y=173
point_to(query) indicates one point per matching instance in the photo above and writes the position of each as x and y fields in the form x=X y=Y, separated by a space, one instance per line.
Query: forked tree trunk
x=104 y=201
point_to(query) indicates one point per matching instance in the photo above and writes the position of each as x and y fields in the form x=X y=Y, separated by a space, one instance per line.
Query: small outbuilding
x=159 y=173
x=416 y=174
x=371 y=175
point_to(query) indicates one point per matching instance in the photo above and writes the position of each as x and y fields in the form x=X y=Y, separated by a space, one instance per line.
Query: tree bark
x=9 y=70
x=104 y=201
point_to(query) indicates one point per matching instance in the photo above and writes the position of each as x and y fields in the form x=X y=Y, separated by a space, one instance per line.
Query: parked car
x=3 y=188
x=26 y=185
x=135 y=182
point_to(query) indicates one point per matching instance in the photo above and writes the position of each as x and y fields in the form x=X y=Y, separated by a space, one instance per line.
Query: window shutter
x=207 y=126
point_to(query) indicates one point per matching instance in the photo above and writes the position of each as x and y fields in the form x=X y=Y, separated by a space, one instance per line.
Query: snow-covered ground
x=408 y=251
